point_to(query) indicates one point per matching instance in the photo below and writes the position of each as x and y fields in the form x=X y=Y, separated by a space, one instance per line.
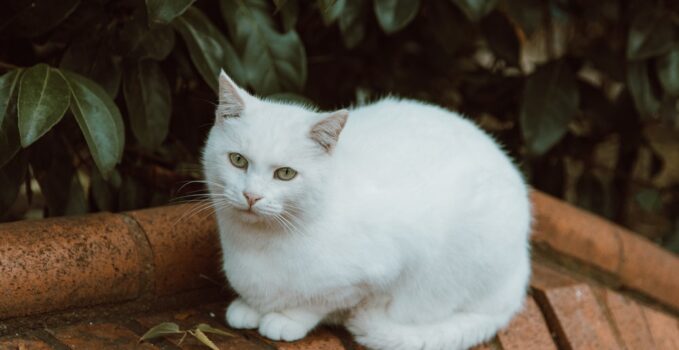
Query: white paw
x=240 y=315
x=276 y=326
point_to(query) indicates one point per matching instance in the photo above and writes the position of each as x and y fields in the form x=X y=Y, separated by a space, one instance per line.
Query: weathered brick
x=58 y=263
x=570 y=230
x=579 y=321
x=664 y=329
x=527 y=330
x=185 y=247
x=20 y=343
x=543 y=277
x=100 y=336
x=629 y=320
x=319 y=339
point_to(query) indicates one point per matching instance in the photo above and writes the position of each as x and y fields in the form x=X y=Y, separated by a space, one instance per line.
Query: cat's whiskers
x=201 y=205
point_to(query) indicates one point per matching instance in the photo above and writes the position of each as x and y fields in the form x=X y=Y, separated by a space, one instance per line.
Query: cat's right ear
x=231 y=98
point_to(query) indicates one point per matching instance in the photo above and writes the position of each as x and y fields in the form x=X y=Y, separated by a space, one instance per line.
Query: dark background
x=582 y=94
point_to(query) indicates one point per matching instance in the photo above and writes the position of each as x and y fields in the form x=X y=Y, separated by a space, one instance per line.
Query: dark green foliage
x=550 y=101
x=105 y=104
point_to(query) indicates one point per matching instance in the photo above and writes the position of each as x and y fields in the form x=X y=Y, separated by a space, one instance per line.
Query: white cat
x=400 y=219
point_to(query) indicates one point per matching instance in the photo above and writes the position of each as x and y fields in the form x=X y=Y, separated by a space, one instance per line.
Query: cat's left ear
x=231 y=97
x=326 y=132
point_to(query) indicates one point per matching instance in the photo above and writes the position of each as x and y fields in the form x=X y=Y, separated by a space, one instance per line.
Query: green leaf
x=93 y=58
x=156 y=43
x=12 y=175
x=651 y=34
x=37 y=17
x=352 y=22
x=501 y=36
x=668 y=71
x=9 y=131
x=289 y=12
x=161 y=330
x=9 y=137
x=8 y=84
x=206 y=328
x=475 y=9
x=649 y=200
x=330 y=10
x=99 y=120
x=639 y=85
x=164 y=11
x=550 y=100
x=394 y=15
x=43 y=100
x=198 y=334
x=274 y=62
x=208 y=48
x=147 y=94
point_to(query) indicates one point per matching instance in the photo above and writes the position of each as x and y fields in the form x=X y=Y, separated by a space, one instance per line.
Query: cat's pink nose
x=251 y=198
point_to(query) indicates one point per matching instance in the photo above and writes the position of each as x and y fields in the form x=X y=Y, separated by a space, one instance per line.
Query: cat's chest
x=281 y=270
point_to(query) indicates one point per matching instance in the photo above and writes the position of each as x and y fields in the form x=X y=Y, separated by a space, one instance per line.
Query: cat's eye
x=285 y=174
x=238 y=160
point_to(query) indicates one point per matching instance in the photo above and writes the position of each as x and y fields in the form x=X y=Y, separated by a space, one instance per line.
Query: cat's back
x=396 y=155
x=414 y=138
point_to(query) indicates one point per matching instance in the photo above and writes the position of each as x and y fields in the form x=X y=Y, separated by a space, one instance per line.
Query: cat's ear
x=231 y=97
x=327 y=131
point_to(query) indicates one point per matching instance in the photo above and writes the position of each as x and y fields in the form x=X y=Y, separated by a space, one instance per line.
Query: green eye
x=238 y=160
x=285 y=174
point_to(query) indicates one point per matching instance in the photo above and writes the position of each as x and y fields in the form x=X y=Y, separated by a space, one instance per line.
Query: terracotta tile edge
x=631 y=259
x=147 y=276
x=558 y=225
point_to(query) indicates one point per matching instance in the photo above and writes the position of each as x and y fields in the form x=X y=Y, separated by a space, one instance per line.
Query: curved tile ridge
x=74 y=262
x=60 y=263
x=637 y=263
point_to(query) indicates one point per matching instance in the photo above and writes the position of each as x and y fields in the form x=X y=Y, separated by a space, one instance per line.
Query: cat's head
x=265 y=162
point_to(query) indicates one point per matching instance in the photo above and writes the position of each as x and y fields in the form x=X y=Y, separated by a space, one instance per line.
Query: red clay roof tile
x=577 y=318
x=527 y=331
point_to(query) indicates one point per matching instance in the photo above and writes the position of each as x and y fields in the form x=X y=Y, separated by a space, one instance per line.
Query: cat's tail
x=376 y=330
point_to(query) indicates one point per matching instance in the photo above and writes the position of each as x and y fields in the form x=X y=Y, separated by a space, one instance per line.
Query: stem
x=7 y=66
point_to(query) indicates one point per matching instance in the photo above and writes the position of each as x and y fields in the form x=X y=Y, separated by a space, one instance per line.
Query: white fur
x=415 y=225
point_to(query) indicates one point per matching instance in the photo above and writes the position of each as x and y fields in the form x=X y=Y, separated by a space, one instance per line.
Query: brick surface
x=23 y=344
x=319 y=339
x=575 y=232
x=664 y=329
x=628 y=319
x=637 y=262
x=59 y=263
x=188 y=319
x=579 y=321
x=185 y=247
x=100 y=336
x=527 y=330
x=543 y=277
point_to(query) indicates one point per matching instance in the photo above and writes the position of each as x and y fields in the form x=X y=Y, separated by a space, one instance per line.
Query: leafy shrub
x=105 y=103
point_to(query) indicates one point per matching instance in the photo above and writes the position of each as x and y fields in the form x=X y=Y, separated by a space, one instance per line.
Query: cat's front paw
x=277 y=326
x=240 y=315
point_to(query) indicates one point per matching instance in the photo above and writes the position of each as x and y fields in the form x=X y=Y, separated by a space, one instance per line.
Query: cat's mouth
x=248 y=215
x=248 y=211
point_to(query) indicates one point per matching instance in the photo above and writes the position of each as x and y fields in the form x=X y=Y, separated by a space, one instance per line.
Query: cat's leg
x=240 y=315
x=290 y=324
